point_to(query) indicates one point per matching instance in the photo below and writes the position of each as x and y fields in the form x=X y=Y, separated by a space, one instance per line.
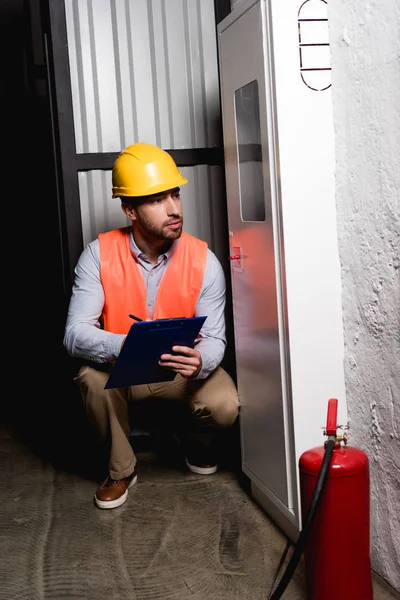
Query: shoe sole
x=115 y=503
x=201 y=470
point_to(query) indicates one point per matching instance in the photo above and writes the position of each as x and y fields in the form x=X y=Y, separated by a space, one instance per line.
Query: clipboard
x=146 y=341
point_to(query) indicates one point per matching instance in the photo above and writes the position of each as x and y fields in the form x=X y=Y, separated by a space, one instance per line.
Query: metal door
x=256 y=252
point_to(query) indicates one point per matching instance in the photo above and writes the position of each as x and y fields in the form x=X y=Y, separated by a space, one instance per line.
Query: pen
x=135 y=318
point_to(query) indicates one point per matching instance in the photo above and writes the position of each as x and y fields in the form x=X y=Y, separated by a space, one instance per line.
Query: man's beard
x=161 y=232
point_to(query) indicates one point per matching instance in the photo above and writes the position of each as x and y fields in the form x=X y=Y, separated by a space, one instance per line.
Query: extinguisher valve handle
x=331 y=420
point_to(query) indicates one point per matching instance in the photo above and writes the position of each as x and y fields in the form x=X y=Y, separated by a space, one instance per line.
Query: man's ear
x=129 y=210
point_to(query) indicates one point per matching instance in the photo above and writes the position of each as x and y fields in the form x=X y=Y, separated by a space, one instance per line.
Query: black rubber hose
x=302 y=539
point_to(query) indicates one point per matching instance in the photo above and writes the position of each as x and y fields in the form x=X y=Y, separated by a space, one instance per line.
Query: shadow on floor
x=54 y=427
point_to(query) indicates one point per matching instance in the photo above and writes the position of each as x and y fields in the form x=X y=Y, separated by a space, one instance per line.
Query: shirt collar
x=138 y=254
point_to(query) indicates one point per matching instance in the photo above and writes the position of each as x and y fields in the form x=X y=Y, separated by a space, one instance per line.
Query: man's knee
x=91 y=382
x=221 y=410
x=226 y=411
x=91 y=378
x=219 y=399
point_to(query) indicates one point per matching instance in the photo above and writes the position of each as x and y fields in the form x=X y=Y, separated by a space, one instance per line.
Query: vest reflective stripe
x=124 y=286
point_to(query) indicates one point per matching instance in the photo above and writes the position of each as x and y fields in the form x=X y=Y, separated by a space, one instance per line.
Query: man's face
x=159 y=216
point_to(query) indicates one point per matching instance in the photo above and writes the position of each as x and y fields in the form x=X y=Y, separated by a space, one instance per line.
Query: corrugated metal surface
x=143 y=70
x=201 y=198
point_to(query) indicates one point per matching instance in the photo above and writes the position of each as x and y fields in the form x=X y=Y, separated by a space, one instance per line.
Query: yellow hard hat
x=143 y=169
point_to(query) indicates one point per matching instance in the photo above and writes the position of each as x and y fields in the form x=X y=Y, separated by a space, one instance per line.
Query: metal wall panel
x=203 y=211
x=143 y=71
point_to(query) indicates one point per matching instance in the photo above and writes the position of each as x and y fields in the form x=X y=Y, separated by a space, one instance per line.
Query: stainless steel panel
x=252 y=193
x=143 y=71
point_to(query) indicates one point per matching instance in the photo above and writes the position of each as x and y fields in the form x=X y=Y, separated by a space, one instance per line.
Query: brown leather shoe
x=114 y=492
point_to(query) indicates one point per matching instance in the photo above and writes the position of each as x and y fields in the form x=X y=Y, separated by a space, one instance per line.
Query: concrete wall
x=365 y=50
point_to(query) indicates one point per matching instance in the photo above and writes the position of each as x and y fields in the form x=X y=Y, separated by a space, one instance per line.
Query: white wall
x=365 y=51
x=365 y=48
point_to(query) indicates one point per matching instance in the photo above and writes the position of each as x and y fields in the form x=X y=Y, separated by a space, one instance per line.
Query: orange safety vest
x=124 y=286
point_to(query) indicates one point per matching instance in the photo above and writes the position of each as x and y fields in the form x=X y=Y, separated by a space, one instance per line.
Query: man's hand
x=185 y=361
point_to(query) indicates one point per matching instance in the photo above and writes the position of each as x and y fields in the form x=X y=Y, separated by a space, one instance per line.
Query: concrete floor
x=179 y=536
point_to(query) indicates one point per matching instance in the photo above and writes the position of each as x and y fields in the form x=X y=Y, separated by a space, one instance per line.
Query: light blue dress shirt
x=84 y=338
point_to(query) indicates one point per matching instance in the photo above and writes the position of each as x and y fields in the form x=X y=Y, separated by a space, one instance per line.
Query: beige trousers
x=211 y=404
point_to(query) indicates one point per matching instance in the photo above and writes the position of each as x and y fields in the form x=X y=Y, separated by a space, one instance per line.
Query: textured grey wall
x=365 y=48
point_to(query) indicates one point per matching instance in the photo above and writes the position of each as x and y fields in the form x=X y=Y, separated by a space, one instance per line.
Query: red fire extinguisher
x=337 y=550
